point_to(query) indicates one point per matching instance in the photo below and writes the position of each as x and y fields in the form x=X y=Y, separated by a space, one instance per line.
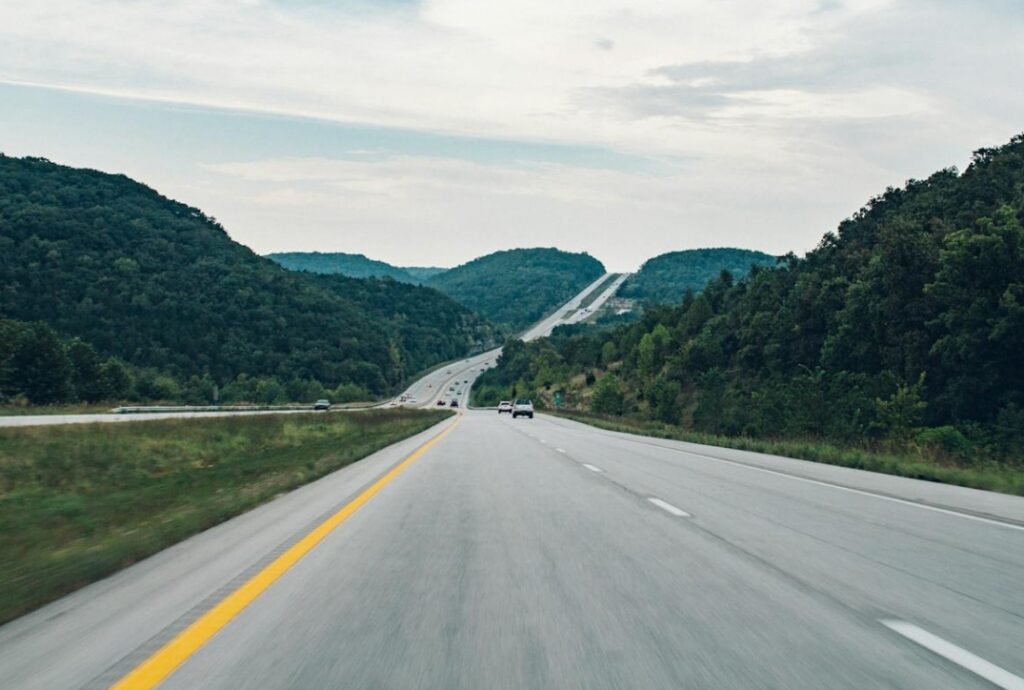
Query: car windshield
x=523 y=402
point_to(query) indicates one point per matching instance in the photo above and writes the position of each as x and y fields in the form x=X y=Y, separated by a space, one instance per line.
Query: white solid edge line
x=872 y=494
x=592 y=468
x=668 y=507
x=961 y=657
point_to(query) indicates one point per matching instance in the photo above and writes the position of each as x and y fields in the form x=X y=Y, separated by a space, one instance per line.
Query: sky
x=429 y=133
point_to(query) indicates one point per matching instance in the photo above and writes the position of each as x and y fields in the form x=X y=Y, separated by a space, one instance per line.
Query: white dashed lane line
x=961 y=657
x=668 y=507
x=592 y=468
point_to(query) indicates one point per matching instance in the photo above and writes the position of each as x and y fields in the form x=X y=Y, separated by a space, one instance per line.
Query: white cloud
x=789 y=114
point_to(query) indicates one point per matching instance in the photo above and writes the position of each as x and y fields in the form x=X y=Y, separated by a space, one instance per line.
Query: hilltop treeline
x=519 y=286
x=161 y=286
x=904 y=325
x=351 y=265
x=667 y=277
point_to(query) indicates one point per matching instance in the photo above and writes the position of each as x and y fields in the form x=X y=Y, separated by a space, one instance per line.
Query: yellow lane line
x=165 y=660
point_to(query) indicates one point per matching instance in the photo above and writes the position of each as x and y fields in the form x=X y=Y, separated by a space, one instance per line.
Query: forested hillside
x=906 y=325
x=667 y=277
x=161 y=286
x=518 y=286
x=351 y=265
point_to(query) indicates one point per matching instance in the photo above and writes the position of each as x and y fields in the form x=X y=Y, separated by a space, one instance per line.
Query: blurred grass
x=70 y=408
x=79 y=502
x=990 y=476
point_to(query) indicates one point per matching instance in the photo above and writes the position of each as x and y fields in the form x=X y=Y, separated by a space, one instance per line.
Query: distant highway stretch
x=453 y=381
x=498 y=553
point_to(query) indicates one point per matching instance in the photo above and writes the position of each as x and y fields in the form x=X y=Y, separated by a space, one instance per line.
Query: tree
x=899 y=414
x=664 y=400
x=607 y=396
x=609 y=353
x=117 y=381
x=41 y=369
x=86 y=373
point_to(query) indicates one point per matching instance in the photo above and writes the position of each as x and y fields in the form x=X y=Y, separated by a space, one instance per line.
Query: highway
x=489 y=552
x=606 y=294
x=547 y=554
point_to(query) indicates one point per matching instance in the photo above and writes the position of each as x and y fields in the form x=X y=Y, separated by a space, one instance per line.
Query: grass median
x=79 y=502
x=987 y=475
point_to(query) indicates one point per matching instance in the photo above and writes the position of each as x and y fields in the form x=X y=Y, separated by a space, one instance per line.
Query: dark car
x=440 y=403
x=455 y=403
x=322 y=405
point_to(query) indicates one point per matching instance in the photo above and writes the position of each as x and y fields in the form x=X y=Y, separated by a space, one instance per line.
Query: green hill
x=666 y=278
x=161 y=285
x=518 y=286
x=902 y=331
x=423 y=273
x=351 y=265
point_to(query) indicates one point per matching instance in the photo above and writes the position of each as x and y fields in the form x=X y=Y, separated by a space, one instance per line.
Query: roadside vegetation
x=899 y=337
x=79 y=502
x=41 y=373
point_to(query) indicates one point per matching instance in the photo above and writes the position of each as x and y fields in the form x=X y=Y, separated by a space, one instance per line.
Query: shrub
x=945 y=438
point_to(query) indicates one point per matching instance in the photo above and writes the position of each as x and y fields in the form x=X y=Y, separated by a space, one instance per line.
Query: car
x=522 y=408
x=440 y=403
x=322 y=405
x=455 y=403
x=504 y=406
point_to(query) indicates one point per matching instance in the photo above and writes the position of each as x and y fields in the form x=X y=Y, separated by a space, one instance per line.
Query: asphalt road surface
x=547 y=554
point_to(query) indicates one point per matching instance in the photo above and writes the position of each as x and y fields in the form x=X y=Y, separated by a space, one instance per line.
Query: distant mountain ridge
x=513 y=287
x=352 y=265
x=667 y=277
